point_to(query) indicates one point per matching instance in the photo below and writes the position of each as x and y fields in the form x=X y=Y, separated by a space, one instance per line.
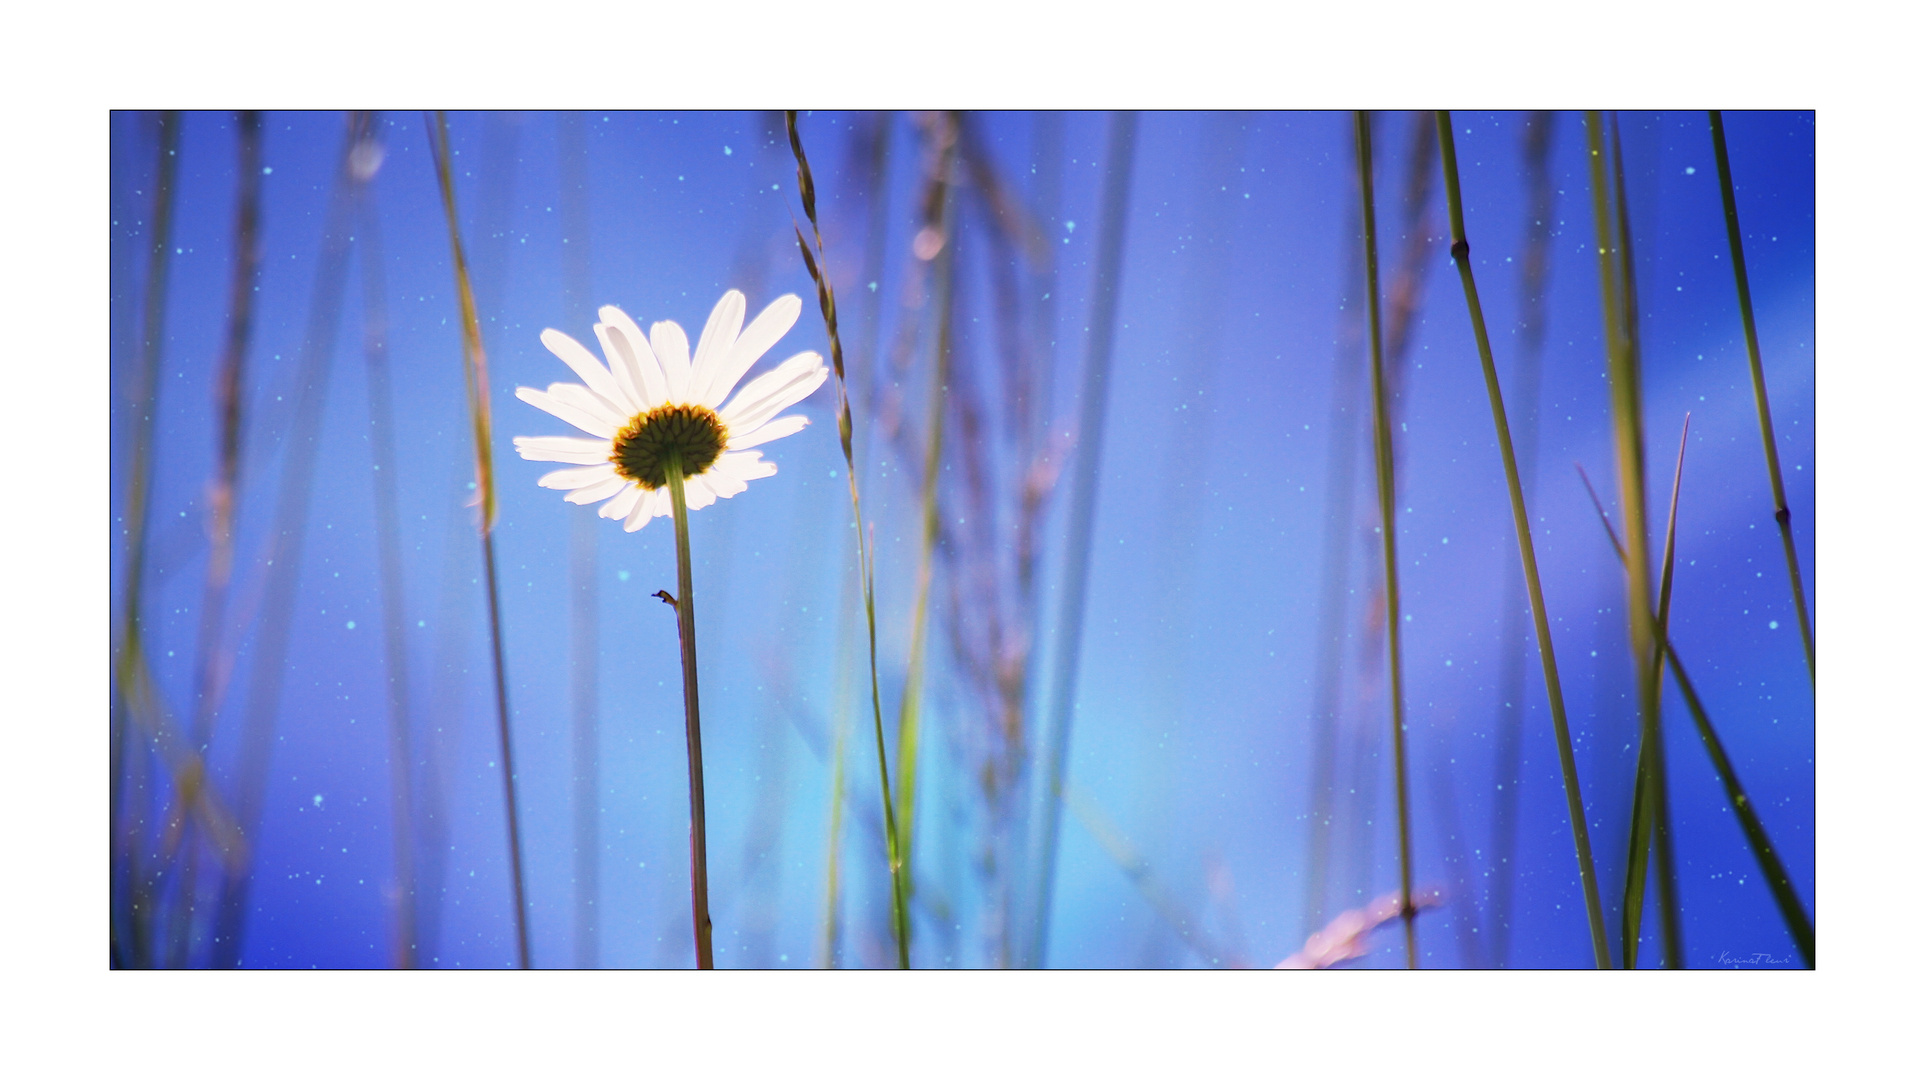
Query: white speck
x=1690 y=170
x=350 y=624
x=728 y=150
x=267 y=170
x=621 y=575
x=317 y=800
x=1774 y=624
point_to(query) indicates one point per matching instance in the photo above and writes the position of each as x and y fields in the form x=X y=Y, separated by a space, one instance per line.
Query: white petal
x=723 y=484
x=744 y=467
x=565 y=448
x=562 y=410
x=698 y=492
x=766 y=385
x=583 y=363
x=671 y=348
x=648 y=368
x=569 y=479
x=769 y=432
x=761 y=335
x=717 y=344
x=782 y=398
x=638 y=516
x=596 y=492
x=619 y=506
x=588 y=401
x=621 y=361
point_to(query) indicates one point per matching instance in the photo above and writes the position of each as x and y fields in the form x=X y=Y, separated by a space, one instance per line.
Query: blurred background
x=305 y=768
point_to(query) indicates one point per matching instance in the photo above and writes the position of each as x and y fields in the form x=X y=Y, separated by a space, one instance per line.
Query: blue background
x=1193 y=725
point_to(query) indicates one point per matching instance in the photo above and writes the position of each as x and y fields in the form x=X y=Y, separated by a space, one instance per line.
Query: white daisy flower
x=652 y=400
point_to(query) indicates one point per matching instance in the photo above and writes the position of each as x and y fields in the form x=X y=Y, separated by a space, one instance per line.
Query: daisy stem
x=1526 y=551
x=476 y=370
x=1780 y=511
x=698 y=850
x=865 y=542
x=1386 y=508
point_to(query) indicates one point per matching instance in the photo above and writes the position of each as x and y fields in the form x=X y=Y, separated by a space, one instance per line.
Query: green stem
x=1628 y=429
x=1789 y=906
x=1527 y=554
x=476 y=370
x=698 y=857
x=1386 y=509
x=865 y=543
x=1779 y=510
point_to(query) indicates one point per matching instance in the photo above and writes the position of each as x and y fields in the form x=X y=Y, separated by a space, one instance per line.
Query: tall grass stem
x=1780 y=511
x=1790 y=908
x=1526 y=549
x=865 y=542
x=476 y=369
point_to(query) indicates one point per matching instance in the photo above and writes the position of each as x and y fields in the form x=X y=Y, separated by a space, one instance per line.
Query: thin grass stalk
x=1650 y=802
x=844 y=707
x=1780 y=511
x=146 y=393
x=387 y=521
x=684 y=605
x=1333 y=598
x=1387 y=512
x=1143 y=876
x=283 y=556
x=1627 y=428
x=1082 y=513
x=584 y=639
x=908 y=725
x=1790 y=908
x=1533 y=268
x=1642 y=825
x=1526 y=549
x=222 y=489
x=476 y=370
x=825 y=299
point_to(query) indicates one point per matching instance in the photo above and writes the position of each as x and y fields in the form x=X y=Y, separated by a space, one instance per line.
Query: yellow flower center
x=691 y=433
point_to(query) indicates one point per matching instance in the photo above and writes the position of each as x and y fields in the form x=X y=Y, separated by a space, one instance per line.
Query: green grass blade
x=1527 y=555
x=1780 y=511
x=865 y=542
x=476 y=371
x=1387 y=515
x=1797 y=922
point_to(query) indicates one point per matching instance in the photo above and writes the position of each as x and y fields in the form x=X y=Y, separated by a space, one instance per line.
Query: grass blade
x=476 y=369
x=825 y=299
x=1387 y=515
x=1797 y=922
x=1527 y=555
x=1779 y=510
x=1082 y=514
